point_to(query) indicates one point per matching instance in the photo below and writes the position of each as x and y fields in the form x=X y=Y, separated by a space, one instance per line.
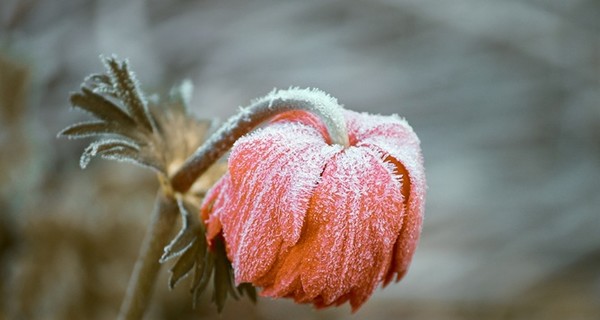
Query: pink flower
x=317 y=222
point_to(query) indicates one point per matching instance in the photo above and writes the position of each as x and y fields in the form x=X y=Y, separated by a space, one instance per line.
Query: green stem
x=314 y=101
x=141 y=283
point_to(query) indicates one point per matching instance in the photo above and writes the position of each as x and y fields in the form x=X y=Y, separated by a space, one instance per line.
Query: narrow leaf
x=248 y=290
x=102 y=146
x=222 y=276
x=98 y=78
x=85 y=130
x=103 y=89
x=124 y=154
x=127 y=88
x=100 y=107
x=200 y=262
x=231 y=282
x=184 y=264
x=220 y=287
x=180 y=243
x=95 y=128
x=209 y=260
x=191 y=230
x=181 y=95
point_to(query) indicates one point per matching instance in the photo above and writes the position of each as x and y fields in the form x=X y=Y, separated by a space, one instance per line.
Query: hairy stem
x=314 y=101
x=141 y=283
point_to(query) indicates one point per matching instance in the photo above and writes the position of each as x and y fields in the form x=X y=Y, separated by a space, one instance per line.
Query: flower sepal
x=194 y=256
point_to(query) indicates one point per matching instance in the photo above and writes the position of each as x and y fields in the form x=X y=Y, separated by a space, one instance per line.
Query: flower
x=318 y=222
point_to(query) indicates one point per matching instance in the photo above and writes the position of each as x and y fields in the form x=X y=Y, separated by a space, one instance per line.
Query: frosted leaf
x=183 y=92
x=184 y=264
x=95 y=128
x=97 y=79
x=164 y=133
x=190 y=251
x=104 y=145
x=127 y=88
x=100 y=107
x=186 y=236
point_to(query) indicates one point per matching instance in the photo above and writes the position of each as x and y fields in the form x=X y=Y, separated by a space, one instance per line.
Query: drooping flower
x=318 y=222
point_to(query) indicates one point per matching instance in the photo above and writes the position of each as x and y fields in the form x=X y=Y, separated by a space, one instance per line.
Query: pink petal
x=353 y=221
x=397 y=141
x=303 y=117
x=273 y=172
x=213 y=205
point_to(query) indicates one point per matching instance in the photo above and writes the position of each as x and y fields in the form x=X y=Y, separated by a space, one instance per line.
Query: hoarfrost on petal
x=409 y=160
x=273 y=172
x=346 y=246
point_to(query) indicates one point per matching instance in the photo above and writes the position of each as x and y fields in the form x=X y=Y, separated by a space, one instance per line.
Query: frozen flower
x=319 y=222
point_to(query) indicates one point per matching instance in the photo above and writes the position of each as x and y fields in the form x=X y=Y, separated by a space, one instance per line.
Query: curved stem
x=145 y=271
x=314 y=101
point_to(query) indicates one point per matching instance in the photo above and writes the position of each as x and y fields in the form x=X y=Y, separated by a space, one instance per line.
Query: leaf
x=93 y=129
x=104 y=146
x=98 y=78
x=180 y=243
x=124 y=154
x=184 y=264
x=223 y=277
x=247 y=289
x=191 y=230
x=164 y=132
x=181 y=95
x=100 y=107
x=199 y=267
x=206 y=263
x=197 y=290
x=126 y=86
x=221 y=283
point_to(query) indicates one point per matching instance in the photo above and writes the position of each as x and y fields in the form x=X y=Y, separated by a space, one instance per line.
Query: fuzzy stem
x=141 y=283
x=276 y=102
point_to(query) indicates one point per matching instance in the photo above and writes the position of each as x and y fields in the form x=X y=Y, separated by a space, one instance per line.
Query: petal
x=401 y=147
x=392 y=128
x=349 y=233
x=212 y=206
x=306 y=118
x=273 y=172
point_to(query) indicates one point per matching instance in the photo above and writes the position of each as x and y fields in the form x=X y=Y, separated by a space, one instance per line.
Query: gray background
x=503 y=94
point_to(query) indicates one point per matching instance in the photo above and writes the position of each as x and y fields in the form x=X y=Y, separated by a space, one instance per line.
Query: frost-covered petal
x=303 y=117
x=273 y=172
x=213 y=205
x=393 y=129
x=353 y=221
x=395 y=138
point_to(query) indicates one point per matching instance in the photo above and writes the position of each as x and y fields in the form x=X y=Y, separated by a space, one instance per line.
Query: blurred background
x=503 y=94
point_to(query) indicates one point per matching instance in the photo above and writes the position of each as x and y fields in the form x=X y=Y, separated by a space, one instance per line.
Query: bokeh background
x=503 y=94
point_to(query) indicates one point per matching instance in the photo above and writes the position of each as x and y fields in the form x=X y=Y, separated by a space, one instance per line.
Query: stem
x=315 y=101
x=141 y=283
